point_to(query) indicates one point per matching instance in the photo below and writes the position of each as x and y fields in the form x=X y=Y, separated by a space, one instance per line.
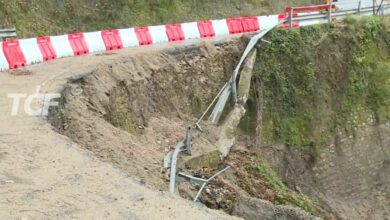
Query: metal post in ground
x=379 y=8
x=291 y=16
x=330 y=12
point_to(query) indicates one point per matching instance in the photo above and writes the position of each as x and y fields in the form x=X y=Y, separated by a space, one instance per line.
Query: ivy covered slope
x=321 y=80
x=50 y=17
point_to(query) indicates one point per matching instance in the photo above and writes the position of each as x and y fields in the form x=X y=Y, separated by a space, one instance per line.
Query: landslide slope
x=318 y=115
x=323 y=113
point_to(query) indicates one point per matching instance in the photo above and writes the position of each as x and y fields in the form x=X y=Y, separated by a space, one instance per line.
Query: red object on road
x=78 y=44
x=250 y=24
x=14 y=54
x=174 y=32
x=112 y=40
x=143 y=35
x=206 y=29
x=234 y=25
x=46 y=48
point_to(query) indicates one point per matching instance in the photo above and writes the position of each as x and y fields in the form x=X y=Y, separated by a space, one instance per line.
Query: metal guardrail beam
x=5 y=33
x=220 y=100
x=338 y=14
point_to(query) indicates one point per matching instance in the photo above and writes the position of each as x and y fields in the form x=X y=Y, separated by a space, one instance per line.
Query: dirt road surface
x=44 y=175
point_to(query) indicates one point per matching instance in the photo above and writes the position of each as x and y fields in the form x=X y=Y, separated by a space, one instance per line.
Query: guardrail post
x=330 y=12
x=380 y=6
x=359 y=8
x=291 y=17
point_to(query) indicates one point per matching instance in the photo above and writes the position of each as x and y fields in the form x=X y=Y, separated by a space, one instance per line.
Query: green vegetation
x=283 y=194
x=48 y=17
x=118 y=113
x=321 y=80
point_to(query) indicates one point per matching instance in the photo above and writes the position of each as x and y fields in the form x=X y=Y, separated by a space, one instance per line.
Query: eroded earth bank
x=314 y=141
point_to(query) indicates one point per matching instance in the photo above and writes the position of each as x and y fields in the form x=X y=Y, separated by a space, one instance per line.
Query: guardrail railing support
x=291 y=17
x=330 y=12
x=379 y=7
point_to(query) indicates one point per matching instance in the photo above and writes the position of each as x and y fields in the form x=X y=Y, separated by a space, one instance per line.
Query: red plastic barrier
x=14 y=54
x=143 y=35
x=174 y=32
x=78 y=44
x=47 y=50
x=206 y=29
x=234 y=25
x=310 y=8
x=112 y=40
x=250 y=24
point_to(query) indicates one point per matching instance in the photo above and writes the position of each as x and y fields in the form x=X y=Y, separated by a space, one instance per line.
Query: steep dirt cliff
x=315 y=135
x=323 y=107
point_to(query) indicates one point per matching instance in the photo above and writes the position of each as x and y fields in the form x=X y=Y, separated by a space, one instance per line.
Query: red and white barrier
x=266 y=22
x=78 y=44
x=129 y=38
x=62 y=46
x=19 y=53
x=158 y=34
x=31 y=50
x=3 y=61
x=190 y=30
x=206 y=29
x=14 y=54
x=46 y=47
x=95 y=42
x=174 y=32
x=143 y=35
x=250 y=24
x=220 y=28
x=112 y=40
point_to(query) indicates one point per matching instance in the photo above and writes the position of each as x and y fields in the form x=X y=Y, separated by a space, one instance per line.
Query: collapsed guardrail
x=229 y=88
x=220 y=101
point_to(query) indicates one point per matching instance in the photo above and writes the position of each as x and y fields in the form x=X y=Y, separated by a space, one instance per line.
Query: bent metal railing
x=219 y=102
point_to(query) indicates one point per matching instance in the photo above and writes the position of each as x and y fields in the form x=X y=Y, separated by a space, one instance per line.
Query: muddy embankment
x=315 y=138
x=131 y=113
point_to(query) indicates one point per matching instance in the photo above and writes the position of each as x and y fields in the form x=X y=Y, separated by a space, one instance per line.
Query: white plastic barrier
x=158 y=34
x=220 y=28
x=62 y=46
x=190 y=30
x=31 y=50
x=266 y=22
x=3 y=61
x=128 y=37
x=95 y=41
